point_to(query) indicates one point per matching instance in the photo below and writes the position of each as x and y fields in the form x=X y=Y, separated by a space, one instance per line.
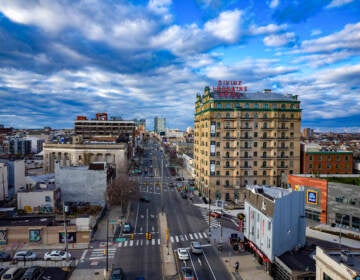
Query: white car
x=182 y=254
x=196 y=247
x=25 y=255
x=56 y=255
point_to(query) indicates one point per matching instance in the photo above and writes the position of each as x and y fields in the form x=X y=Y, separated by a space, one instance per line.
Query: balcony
x=246 y=128
x=245 y=157
x=246 y=148
x=245 y=138
x=229 y=127
x=229 y=148
x=283 y=128
x=245 y=167
x=282 y=167
x=229 y=166
x=228 y=187
x=266 y=167
x=283 y=148
x=229 y=157
x=229 y=138
x=267 y=128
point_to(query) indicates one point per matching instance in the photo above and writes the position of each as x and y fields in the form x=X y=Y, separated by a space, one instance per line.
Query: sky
x=142 y=59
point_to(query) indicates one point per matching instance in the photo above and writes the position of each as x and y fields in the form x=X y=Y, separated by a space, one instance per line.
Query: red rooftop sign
x=229 y=88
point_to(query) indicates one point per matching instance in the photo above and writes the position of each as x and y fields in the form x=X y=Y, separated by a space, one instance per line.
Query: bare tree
x=121 y=190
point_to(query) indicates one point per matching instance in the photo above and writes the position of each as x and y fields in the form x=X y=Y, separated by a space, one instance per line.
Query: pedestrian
x=236 y=266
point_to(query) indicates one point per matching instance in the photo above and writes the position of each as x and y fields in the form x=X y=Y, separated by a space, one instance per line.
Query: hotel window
x=310 y=166
x=227 y=115
x=328 y=166
x=255 y=154
x=246 y=174
x=274 y=105
x=255 y=134
x=255 y=144
x=255 y=125
x=346 y=157
x=265 y=116
x=282 y=106
x=246 y=116
x=255 y=164
x=291 y=125
x=227 y=173
x=255 y=172
x=256 y=106
x=217 y=182
x=310 y=158
x=237 y=105
x=228 y=106
x=246 y=144
x=256 y=116
x=246 y=106
x=218 y=105
x=246 y=125
x=264 y=173
x=266 y=106
x=264 y=145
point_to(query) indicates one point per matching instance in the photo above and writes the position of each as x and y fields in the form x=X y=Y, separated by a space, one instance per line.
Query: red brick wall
x=321 y=161
x=312 y=183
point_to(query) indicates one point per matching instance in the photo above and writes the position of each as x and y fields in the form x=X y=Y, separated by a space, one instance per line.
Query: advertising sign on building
x=71 y=237
x=34 y=235
x=3 y=237
x=311 y=197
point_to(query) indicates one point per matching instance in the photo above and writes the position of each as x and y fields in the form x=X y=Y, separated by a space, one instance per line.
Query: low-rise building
x=337 y=264
x=274 y=221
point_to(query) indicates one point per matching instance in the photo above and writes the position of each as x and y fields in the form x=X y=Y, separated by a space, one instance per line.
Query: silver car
x=196 y=247
x=25 y=255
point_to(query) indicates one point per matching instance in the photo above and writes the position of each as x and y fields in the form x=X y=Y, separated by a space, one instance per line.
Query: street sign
x=121 y=239
x=112 y=222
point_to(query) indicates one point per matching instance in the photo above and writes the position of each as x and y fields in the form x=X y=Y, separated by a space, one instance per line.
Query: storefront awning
x=258 y=252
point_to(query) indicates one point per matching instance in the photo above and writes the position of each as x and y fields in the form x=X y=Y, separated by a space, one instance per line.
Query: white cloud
x=278 y=40
x=159 y=6
x=267 y=29
x=273 y=4
x=315 y=32
x=226 y=26
x=338 y=3
x=348 y=38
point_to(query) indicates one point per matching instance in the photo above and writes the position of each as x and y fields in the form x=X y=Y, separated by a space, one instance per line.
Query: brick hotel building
x=244 y=138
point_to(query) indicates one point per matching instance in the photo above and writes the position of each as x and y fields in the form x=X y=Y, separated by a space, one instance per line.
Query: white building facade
x=274 y=220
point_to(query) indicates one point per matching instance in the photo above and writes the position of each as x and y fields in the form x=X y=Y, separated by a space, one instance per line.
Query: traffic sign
x=112 y=222
x=121 y=239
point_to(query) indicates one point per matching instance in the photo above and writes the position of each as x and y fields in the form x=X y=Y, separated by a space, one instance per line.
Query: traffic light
x=105 y=252
x=132 y=236
x=150 y=236
x=147 y=235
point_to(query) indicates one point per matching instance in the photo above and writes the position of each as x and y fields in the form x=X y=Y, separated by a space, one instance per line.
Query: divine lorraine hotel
x=244 y=138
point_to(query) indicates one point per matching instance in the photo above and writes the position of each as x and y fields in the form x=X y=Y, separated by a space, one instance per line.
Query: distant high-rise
x=159 y=124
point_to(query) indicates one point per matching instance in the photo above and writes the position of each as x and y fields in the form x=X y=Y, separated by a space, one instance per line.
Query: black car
x=32 y=273
x=144 y=199
x=117 y=274
x=4 y=256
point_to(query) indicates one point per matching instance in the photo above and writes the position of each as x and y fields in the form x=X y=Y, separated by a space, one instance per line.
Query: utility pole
x=161 y=183
x=107 y=245
x=209 y=215
x=65 y=232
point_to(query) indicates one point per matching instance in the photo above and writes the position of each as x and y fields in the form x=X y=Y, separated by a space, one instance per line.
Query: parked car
x=32 y=273
x=2 y=270
x=4 y=256
x=25 y=255
x=182 y=254
x=196 y=248
x=13 y=273
x=187 y=273
x=117 y=274
x=215 y=214
x=144 y=199
x=184 y=195
x=127 y=228
x=57 y=255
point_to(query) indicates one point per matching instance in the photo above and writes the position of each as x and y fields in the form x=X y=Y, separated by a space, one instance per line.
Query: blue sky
x=141 y=59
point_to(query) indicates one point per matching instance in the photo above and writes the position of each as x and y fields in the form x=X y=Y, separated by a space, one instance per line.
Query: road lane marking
x=83 y=254
x=131 y=243
x=172 y=239
x=176 y=238
x=196 y=236
x=200 y=235
x=191 y=236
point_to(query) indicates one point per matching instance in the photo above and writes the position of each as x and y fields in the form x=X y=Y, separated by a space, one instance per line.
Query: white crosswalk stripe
x=172 y=239
x=176 y=238
x=200 y=235
x=191 y=236
x=196 y=236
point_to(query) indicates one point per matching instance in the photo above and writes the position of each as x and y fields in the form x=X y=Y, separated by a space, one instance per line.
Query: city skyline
x=142 y=59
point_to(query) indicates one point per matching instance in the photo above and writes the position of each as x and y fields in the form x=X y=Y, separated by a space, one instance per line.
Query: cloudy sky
x=141 y=59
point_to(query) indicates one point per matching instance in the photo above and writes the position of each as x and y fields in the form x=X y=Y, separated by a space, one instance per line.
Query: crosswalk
x=214 y=223
x=100 y=253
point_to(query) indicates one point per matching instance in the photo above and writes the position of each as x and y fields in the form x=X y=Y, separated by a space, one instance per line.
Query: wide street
x=136 y=252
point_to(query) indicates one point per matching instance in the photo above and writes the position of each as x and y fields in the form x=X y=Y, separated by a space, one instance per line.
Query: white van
x=13 y=273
